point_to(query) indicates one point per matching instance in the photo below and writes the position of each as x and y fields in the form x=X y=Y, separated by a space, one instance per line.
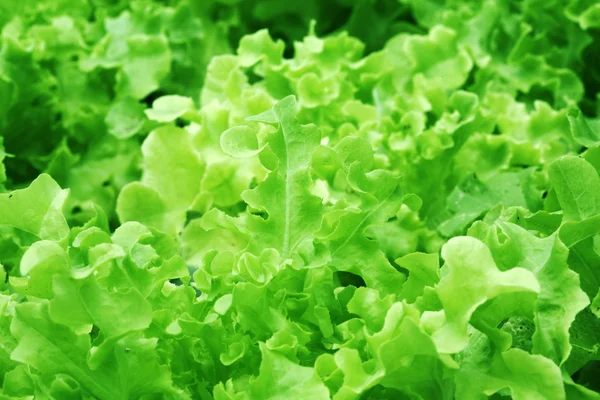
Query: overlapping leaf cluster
x=410 y=214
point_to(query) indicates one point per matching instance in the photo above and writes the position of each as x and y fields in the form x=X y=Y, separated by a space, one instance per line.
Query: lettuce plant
x=194 y=206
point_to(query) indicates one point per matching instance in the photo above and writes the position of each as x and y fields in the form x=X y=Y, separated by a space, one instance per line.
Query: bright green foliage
x=249 y=200
x=293 y=213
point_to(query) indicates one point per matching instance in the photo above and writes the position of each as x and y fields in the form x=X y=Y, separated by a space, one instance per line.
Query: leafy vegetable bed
x=400 y=200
